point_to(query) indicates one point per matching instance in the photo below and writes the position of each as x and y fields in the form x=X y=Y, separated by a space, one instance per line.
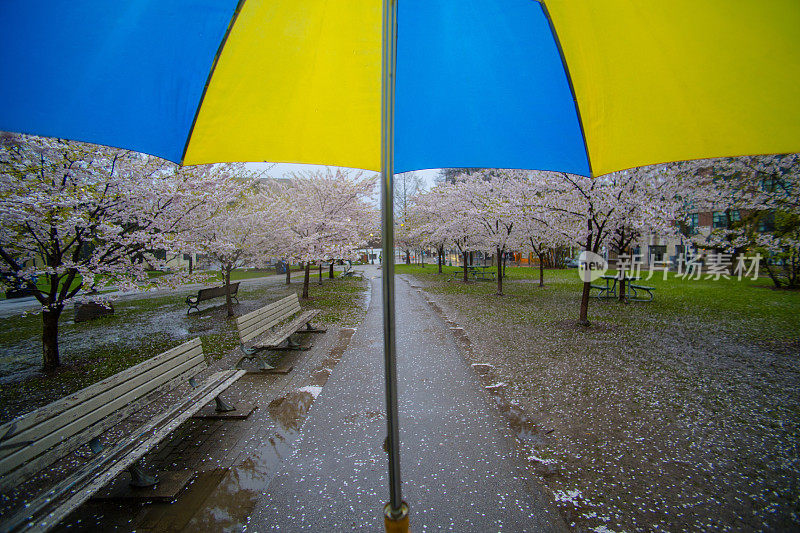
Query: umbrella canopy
x=580 y=86
x=480 y=83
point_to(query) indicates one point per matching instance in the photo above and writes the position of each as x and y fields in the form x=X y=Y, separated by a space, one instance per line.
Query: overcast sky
x=279 y=170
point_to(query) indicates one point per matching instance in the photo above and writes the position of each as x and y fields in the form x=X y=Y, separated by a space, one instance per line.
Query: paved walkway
x=457 y=468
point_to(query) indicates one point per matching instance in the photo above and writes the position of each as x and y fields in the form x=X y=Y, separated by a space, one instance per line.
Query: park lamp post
x=371 y=248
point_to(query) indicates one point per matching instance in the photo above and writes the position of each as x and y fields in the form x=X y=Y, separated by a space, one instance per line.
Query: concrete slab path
x=457 y=463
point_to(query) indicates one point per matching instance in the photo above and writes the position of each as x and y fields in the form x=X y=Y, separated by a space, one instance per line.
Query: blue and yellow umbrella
x=581 y=86
x=480 y=83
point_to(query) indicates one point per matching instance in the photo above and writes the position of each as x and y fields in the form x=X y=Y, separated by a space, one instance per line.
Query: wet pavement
x=311 y=457
x=458 y=467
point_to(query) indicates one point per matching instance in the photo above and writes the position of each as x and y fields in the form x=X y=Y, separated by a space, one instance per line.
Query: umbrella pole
x=395 y=512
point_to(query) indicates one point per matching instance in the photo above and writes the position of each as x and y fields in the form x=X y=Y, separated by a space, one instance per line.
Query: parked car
x=571 y=263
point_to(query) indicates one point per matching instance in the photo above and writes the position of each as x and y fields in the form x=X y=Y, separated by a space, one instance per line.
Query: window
x=723 y=219
x=766 y=222
x=771 y=184
x=657 y=252
x=694 y=223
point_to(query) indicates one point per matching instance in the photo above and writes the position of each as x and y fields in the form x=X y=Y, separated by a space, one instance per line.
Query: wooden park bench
x=208 y=294
x=31 y=443
x=349 y=272
x=635 y=296
x=261 y=323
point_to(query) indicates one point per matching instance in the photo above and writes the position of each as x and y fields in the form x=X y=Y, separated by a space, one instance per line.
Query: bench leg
x=223 y=406
x=311 y=329
x=263 y=365
x=140 y=478
x=291 y=345
x=192 y=307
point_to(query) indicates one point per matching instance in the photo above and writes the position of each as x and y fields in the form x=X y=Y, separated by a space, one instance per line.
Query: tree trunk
x=191 y=264
x=408 y=257
x=772 y=276
x=288 y=273
x=541 y=271
x=440 y=257
x=51 y=358
x=622 y=288
x=305 y=279
x=499 y=274
x=583 y=320
x=330 y=271
x=320 y=272
x=228 y=300
x=464 y=254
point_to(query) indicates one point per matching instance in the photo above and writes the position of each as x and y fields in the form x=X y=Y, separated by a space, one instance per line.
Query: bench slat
x=266 y=324
x=277 y=337
x=215 y=292
x=269 y=314
x=257 y=322
x=53 y=409
x=252 y=316
x=79 y=487
x=63 y=448
x=140 y=385
x=88 y=413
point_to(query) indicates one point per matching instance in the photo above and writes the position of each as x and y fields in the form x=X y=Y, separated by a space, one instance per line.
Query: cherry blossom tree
x=534 y=224
x=235 y=225
x=758 y=206
x=589 y=211
x=325 y=216
x=491 y=204
x=448 y=220
x=75 y=216
x=426 y=218
x=407 y=187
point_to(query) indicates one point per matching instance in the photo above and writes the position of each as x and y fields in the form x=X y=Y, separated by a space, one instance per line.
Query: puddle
x=233 y=500
x=290 y=410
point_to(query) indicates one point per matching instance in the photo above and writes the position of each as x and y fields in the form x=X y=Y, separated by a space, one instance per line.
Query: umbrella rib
x=569 y=81
x=210 y=74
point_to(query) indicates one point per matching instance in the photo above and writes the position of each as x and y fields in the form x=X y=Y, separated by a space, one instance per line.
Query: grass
x=143 y=327
x=684 y=401
x=747 y=307
x=214 y=276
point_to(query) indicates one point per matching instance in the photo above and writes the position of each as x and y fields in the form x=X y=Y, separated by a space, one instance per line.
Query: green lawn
x=143 y=327
x=748 y=307
x=213 y=276
x=690 y=403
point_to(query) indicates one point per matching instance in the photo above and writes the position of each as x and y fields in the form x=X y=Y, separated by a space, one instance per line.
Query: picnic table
x=609 y=290
x=481 y=272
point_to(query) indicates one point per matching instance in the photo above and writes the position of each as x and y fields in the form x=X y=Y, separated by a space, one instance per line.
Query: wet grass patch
x=143 y=326
x=688 y=402
x=342 y=300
